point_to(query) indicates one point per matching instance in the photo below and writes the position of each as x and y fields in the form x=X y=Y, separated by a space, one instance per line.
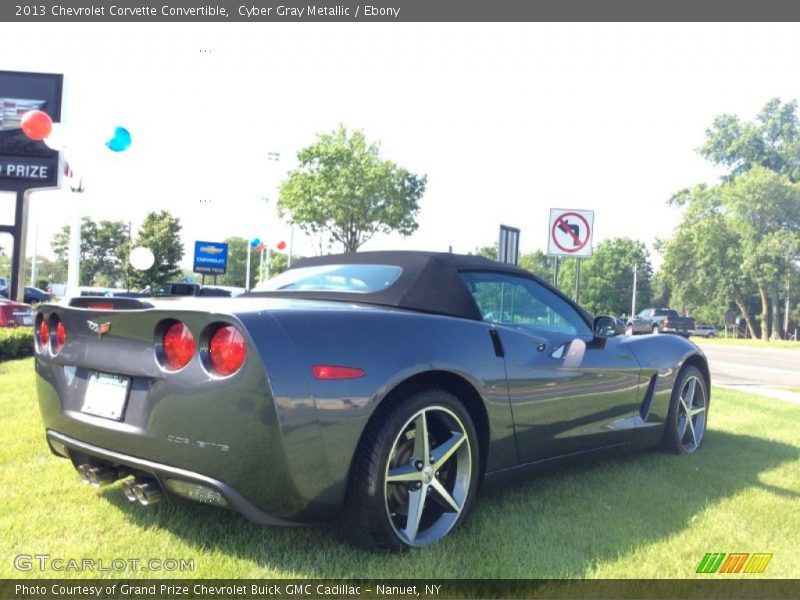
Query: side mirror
x=606 y=327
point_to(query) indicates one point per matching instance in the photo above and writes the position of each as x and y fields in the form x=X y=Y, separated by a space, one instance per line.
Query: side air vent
x=648 y=398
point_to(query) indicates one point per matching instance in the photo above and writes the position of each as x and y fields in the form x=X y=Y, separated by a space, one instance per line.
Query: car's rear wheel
x=688 y=412
x=414 y=475
x=656 y=330
x=629 y=329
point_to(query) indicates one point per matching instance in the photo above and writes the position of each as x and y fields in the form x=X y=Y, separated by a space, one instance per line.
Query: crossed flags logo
x=734 y=562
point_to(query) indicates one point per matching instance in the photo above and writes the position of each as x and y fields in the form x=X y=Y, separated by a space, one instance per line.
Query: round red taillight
x=61 y=338
x=44 y=335
x=226 y=350
x=179 y=346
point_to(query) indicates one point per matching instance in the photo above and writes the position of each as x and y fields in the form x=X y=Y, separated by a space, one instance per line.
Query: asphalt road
x=741 y=366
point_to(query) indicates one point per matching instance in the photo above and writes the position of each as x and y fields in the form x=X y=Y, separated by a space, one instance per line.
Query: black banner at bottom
x=313 y=589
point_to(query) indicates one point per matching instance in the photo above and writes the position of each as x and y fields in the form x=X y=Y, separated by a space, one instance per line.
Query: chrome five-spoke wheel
x=415 y=472
x=691 y=413
x=428 y=476
x=688 y=412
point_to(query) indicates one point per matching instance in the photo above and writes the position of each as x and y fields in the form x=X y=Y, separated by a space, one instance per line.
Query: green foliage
x=739 y=241
x=160 y=232
x=104 y=252
x=771 y=141
x=15 y=342
x=606 y=281
x=237 y=263
x=344 y=192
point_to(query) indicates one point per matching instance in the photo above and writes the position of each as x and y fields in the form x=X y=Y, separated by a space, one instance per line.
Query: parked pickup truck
x=659 y=320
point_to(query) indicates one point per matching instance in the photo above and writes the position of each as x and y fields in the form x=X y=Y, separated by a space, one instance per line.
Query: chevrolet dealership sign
x=25 y=163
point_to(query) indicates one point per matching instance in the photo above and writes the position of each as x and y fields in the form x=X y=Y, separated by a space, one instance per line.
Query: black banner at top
x=151 y=11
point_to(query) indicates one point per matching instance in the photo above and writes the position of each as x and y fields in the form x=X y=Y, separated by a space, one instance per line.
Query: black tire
x=367 y=519
x=677 y=436
x=629 y=329
x=655 y=330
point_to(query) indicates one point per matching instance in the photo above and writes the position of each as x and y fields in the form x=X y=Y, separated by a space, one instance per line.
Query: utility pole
x=633 y=299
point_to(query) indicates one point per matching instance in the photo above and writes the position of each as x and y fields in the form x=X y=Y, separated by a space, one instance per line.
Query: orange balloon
x=36 y=124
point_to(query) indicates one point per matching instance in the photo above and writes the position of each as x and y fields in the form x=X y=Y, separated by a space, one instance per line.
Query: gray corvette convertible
x=375 y=389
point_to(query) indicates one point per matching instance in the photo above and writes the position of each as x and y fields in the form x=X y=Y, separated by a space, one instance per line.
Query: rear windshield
x=663 y=312
x=357 y=279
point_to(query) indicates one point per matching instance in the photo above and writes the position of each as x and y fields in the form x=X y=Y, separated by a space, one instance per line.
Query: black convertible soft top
x=429 y=282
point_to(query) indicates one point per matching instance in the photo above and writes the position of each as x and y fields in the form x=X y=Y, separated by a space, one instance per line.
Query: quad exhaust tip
x=143 y=491
x=99 y=476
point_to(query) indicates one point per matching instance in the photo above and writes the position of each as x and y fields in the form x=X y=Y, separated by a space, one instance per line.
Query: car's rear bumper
x=80 y=452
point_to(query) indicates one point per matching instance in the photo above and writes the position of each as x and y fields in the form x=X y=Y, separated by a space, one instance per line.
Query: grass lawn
x=639 y=515
x=749 y=343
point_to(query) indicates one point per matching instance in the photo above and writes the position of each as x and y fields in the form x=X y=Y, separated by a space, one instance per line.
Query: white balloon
x=57 y=140
x=141 y=258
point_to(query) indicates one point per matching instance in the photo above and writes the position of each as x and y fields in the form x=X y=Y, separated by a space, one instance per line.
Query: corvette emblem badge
x=99 y=328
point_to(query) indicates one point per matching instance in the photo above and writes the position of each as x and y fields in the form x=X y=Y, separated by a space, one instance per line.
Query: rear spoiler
x=109 y=303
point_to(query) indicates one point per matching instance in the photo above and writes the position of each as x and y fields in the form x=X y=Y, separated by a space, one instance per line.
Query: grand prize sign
x=25 y=164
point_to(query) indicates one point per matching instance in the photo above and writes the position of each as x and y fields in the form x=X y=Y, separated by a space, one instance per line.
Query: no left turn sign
x=570 y=232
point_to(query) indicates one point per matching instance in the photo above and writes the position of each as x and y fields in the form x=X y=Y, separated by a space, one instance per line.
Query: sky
x=506 y=120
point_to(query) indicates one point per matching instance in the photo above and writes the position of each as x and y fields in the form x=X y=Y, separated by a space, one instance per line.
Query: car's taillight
x=101 y=305
x=2 y=318
x=666 y=321
x=178 y=346
x=61 y=337
x=44 y=334
x=226 y=350
x=336 y=372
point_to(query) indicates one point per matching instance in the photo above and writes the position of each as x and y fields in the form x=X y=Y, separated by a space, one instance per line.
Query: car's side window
x=524 y=303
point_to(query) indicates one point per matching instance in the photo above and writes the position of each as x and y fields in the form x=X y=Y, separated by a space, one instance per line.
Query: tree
x=771 y=141
x=160 y=232
x=237 y=263
x=344 y=192
x=103 y=254
x=606 y=281
x=754 y=217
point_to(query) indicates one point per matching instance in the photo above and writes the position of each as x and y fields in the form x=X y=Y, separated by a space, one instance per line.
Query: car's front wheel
x=415 y=473
x=688 y=412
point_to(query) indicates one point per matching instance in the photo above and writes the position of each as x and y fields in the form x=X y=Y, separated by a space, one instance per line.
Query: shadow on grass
x=557 y=524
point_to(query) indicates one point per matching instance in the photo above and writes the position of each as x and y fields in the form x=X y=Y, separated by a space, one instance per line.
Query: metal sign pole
x=577 y=278
x=555 y=271
x=17 y=289
x=633 y=299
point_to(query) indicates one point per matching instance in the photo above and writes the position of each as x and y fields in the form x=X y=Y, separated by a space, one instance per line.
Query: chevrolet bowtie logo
x=12 y=109
x=99 y=328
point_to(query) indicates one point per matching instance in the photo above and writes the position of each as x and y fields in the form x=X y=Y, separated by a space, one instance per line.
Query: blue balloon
x=121 y=140
x=255 y=242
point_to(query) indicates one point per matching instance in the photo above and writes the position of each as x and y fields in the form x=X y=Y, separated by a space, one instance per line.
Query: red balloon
x=280 y=245
x=36 y=124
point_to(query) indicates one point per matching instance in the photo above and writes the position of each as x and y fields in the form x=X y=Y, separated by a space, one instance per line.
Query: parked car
x=195 y=289
x=369 y=388
x=32 y=295
x=660 y=320
x=707 y=331
x=15 y=314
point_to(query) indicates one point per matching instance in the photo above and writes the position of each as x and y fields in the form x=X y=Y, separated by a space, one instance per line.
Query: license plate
x=105 y=395
x=27 y=320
